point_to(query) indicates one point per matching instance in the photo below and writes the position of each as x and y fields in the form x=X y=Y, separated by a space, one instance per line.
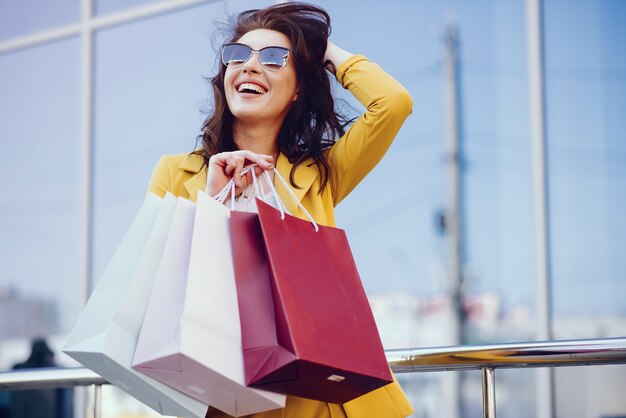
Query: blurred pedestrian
x=40 y=403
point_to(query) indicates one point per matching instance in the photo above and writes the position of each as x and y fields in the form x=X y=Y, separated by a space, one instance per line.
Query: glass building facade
x=86 y=112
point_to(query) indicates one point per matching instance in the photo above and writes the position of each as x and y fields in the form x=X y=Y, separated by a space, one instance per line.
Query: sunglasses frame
x=255 y=51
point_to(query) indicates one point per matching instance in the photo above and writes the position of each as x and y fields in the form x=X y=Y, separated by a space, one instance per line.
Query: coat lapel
x=194 y=164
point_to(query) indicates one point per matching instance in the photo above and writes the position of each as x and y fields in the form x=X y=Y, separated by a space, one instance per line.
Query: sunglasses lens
x=235 y=54
x=271 y=57
x=274 y=58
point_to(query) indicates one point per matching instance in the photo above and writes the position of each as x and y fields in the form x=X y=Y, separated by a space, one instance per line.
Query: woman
x=273 y=106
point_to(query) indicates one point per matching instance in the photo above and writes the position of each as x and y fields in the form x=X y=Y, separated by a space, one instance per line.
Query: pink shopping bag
x=306 y=323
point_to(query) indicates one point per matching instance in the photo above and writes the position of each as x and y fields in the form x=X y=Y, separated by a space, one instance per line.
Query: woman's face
x=275 y=91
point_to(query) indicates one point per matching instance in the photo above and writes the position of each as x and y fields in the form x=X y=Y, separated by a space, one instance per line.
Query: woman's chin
x=250 y=115
x=260 y=111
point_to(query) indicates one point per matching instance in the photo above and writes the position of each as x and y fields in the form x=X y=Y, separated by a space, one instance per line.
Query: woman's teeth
x=251 y=88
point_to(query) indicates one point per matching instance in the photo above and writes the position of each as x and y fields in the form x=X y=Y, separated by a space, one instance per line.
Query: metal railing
x=486 y=358
x=516 y=355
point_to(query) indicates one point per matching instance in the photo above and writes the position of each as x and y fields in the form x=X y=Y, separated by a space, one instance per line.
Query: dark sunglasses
x=271 y=57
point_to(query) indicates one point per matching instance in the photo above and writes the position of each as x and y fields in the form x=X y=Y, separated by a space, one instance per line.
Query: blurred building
x=26 y=317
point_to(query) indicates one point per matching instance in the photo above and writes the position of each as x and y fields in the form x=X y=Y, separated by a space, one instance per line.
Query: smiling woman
x=274 y=107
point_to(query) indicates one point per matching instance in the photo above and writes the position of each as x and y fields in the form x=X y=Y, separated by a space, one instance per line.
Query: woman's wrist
x=334 y=57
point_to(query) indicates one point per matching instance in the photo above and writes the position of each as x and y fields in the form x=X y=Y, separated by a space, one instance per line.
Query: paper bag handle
x=230 y=187
x=291 y=193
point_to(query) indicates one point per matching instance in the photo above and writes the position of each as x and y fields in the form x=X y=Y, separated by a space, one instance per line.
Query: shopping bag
x=105 y=335
x=307 y=327
x=191 y=336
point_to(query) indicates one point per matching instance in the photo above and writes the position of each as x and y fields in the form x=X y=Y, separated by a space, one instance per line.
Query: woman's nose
x=253 y=64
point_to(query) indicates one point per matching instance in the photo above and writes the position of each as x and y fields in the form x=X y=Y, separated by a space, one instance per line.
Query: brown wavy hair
x=312 y=123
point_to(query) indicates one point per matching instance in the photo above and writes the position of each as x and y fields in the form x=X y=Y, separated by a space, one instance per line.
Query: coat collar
x=304 y=177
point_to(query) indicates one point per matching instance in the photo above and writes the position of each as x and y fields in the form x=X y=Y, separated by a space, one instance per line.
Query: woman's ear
x=295 y=97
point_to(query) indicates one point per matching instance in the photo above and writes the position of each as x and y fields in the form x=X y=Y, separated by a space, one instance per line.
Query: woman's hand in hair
x=334 y=57
x=225 y=165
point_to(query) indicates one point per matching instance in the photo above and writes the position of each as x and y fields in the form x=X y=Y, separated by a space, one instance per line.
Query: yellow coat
x=354 y=155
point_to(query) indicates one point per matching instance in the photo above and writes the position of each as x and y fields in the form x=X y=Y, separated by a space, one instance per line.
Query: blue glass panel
x=496 y=168
x=586 y=97
x=227 y=6
x=585 y=61
x=40 y=281
x=499 y=298
x=111 y=6
x=26 y=16
x=150 y=92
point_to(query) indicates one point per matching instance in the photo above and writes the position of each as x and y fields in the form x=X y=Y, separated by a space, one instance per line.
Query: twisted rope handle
x=230 y=186
x=291 y=193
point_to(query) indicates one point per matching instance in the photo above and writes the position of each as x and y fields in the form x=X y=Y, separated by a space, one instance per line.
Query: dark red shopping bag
x=307 y=327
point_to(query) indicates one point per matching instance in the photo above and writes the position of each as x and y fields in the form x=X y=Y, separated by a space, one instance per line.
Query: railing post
x=97 y=401
x=489 y=392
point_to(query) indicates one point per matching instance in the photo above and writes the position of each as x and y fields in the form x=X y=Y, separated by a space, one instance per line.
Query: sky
x=150 y=94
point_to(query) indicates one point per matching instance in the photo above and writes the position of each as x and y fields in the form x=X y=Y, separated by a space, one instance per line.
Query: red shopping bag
x=307 y=328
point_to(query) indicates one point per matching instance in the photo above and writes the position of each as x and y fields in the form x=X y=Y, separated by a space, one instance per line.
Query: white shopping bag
x=105 y=335
x=191 y=336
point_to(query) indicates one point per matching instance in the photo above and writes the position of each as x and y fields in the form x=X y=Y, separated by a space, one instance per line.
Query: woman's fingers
x=231 y=164
x=236 y=162
x=262 y=160
x=231 y=160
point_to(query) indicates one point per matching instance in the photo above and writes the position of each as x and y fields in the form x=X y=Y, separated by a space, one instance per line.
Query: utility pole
x=453 y=213
x=534 y=29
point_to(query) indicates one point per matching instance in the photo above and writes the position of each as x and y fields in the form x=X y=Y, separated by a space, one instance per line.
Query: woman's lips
x=251 y=88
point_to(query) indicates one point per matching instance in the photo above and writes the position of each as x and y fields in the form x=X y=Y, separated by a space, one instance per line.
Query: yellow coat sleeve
x=387 y=105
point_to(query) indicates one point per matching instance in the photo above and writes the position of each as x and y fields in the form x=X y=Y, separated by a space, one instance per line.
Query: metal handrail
x=487 y=358
x=55 y=377
x=514 y=355
x=49 y=377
